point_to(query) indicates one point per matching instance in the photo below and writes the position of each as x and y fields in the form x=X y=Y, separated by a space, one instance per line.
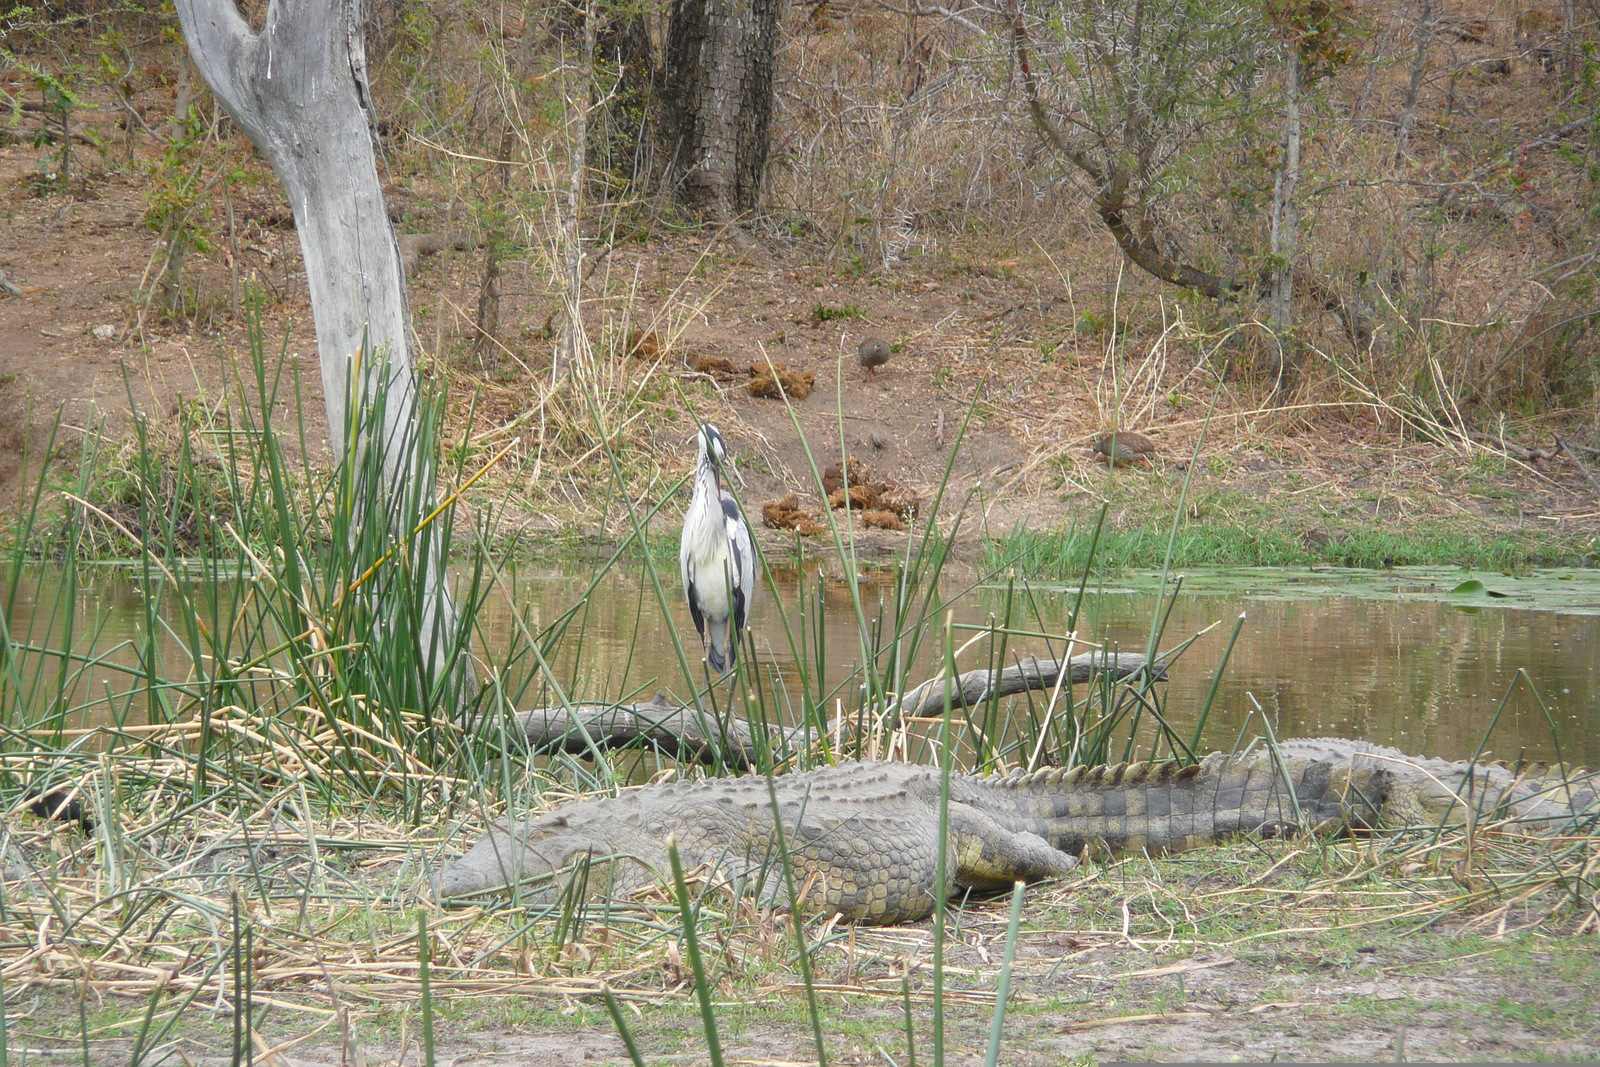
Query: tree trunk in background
x=1419 y=67
x=572 y=347
x=625 y=67
x=1571 y=52
x=299 y=91
x=487 y=343
x=718 y=102
x=1286 y=232
x=497 y=214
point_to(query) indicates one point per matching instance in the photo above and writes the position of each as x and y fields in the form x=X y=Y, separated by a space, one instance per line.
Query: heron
x=716 y=555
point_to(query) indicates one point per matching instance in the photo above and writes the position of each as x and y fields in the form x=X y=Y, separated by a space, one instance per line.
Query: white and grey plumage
x=716 y=555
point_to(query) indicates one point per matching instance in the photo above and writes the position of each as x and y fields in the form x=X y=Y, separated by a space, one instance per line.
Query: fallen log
x=687 y=732
x=1033 y=673
x=677 y=730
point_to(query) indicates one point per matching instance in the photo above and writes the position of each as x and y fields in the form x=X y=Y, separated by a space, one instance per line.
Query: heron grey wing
x=684 y=567
x=738 y=612
x=692 y=594
x=742 y=562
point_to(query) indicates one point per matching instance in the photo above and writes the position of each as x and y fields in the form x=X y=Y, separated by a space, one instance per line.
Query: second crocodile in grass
x=863 y=838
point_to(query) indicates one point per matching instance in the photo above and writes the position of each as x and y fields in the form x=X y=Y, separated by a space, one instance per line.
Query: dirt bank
x=970 y=341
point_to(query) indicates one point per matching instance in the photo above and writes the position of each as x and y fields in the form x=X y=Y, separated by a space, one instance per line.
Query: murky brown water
x=1423 y=675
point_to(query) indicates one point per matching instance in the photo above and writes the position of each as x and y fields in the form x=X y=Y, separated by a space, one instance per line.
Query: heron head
x=714 y=448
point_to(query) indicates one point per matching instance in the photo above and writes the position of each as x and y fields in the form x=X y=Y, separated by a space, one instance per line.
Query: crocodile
x=863 y=838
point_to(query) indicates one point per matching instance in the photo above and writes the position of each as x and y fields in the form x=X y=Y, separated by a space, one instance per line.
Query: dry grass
x=156 y=903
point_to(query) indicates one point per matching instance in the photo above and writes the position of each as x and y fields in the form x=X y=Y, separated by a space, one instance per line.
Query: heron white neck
x=707 y=481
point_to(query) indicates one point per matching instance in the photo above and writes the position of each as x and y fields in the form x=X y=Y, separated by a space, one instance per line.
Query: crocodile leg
x=991 y=856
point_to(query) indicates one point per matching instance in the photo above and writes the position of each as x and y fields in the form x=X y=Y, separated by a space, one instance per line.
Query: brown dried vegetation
x=787 y=514
x=645 y=345
x=852 y=485
x=847 y=472
x=719 y=367
x=855 y=497
x=775 y=381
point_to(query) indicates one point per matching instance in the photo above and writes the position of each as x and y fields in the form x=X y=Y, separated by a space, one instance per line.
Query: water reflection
x=1423 y=676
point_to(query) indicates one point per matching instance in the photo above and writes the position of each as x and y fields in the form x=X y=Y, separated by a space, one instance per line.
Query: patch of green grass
x=165 y=487
x=1527 y=1012
x=1497 y=492
x=569 y=544
x=1438 y=547
x=1064 y=555
x=825 y=313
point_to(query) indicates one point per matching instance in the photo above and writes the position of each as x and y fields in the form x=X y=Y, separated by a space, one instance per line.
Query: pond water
x=1393 y=657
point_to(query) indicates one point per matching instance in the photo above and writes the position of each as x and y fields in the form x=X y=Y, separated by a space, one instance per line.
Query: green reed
x=317 y=624
x=424 y=976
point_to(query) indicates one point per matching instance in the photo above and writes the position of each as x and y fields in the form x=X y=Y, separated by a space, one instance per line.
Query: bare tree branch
x=1124 y=211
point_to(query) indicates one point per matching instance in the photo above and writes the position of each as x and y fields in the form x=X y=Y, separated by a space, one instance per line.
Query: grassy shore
x=1267 y=534
x=1062 y=556
x=1371 y=950
x=248 y=863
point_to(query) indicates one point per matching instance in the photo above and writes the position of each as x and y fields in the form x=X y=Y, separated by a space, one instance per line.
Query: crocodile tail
x=1162 y=805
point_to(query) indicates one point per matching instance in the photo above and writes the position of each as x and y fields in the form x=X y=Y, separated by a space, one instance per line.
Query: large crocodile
x=863 y=837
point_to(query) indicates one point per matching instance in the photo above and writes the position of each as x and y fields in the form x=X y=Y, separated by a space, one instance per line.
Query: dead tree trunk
x=718 y=97
x=298 y=89
x=1419 y=68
